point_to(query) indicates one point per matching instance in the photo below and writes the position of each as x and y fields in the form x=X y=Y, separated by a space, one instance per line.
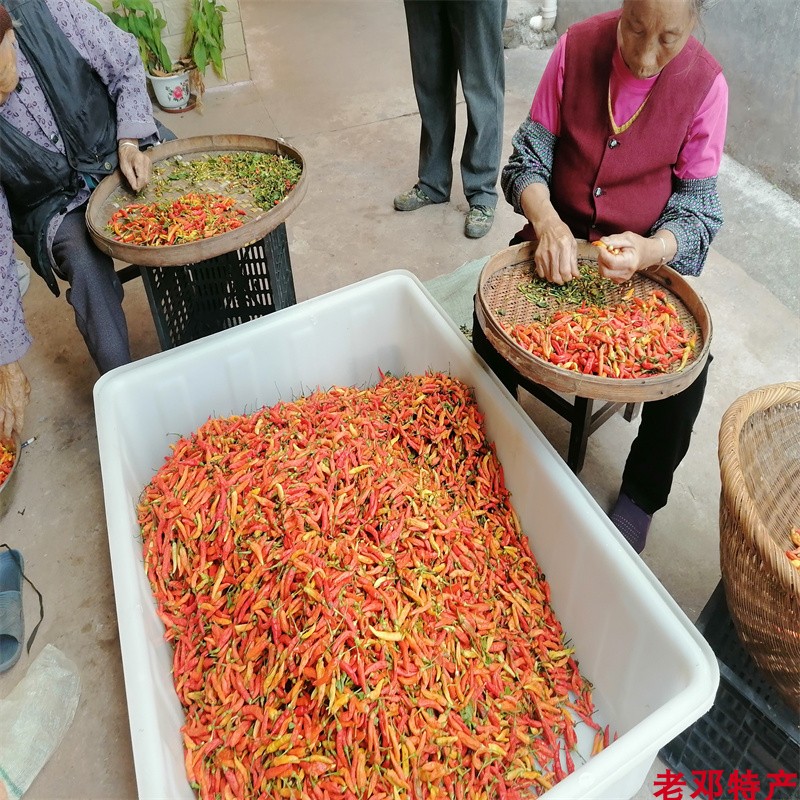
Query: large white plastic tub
x=653 y=673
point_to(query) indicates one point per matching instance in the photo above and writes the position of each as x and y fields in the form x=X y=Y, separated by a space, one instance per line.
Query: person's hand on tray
x=14 y=395
x=556 y=256
x=134 y=164
x=622 y=255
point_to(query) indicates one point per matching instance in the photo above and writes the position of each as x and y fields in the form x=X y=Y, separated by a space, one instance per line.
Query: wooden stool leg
x=129 y=273
x=579 y=433
x=632 y=411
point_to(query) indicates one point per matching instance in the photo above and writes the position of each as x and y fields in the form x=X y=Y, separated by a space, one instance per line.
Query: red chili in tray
x=633 y=339
x=7 y=457
x=189 y=218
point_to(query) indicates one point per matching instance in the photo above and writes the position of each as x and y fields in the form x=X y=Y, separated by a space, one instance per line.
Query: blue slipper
x=12 y=627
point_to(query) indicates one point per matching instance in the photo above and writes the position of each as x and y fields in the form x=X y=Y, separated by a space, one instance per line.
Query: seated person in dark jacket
x=73 y=107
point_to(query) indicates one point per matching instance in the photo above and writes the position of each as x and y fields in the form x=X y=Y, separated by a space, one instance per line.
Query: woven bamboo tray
x=759 y=455
x=113 y=193
x=498 y=291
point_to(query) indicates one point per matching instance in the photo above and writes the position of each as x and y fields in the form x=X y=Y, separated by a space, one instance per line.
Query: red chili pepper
x=193 y=216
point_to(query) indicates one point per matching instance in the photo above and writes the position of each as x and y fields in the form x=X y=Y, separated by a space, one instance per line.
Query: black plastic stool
x=195 y=300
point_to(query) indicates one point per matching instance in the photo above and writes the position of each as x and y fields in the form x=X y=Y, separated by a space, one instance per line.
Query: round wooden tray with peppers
x=500 y=301
x=113 y=193
x=10 y=450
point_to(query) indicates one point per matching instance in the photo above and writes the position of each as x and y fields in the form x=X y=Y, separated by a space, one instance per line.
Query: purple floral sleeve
x=14 y=336
x=114 y=55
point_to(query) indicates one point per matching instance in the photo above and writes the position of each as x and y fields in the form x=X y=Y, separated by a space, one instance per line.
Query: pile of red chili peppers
x=7 y=456
x=633 y=339
x=191 y=217
x=354 y=610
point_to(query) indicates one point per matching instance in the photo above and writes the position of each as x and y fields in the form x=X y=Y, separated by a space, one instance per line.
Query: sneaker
x=633 y=523
x=412 y=200
x=478 y=222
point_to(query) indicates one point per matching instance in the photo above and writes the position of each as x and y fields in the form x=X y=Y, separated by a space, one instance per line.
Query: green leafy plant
x=205 y=42
x=205 y=37
x=145 y=22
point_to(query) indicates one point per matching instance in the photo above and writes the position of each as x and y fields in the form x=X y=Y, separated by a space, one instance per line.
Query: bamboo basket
x=759 y=455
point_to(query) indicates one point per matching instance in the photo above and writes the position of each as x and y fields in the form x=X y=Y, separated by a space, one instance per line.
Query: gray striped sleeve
x=531 y=161
x=694 y=215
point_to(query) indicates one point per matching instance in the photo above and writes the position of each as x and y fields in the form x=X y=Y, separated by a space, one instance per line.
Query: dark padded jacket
x=39 y=182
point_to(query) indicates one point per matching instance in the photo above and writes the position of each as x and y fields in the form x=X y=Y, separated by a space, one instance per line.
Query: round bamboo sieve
x=113 y=193
x=499 y=297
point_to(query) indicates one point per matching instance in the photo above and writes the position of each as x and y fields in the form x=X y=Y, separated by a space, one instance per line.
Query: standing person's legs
x=434 y=72
x=95 y=292
x=478 y=40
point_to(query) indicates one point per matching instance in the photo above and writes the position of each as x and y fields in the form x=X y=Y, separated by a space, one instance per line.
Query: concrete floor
x=334 y=80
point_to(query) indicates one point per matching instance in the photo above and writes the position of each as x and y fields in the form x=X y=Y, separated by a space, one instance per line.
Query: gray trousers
x=95 y=292
x=450 y=38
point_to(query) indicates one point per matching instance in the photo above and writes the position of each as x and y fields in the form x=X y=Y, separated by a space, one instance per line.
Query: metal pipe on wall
x=546 y=20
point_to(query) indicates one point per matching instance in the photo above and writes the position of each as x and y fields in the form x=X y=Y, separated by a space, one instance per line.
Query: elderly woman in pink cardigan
x=623 y=143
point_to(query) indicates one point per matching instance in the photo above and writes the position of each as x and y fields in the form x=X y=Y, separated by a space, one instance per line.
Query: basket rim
x=734 y=491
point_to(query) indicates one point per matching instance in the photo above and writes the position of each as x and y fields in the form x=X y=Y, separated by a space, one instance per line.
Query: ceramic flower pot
x=171 y=91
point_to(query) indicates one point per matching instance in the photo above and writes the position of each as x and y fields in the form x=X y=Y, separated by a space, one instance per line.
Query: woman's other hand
x=557 y=252
x=624 y=254
x=134 y=164
x=14 y=395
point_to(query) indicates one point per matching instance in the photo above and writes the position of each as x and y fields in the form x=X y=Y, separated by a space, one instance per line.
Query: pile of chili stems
x=589 y=288
x=7 y=457
x=266 y=177
x=353 y=608
x=191 y=217
x=632 y=339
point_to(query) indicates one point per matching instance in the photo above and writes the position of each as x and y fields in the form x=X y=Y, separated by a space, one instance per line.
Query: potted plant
x=205 y=42
x=145 y=22
x=174 y=83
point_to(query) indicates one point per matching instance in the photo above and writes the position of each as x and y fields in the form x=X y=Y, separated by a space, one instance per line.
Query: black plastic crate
x=195 y=300
x=749 y=727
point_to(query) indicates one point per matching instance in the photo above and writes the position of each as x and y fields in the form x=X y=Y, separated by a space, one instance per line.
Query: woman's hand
x=557 y=253
x=626 y=253
x=14 y=395
x=134 y=164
